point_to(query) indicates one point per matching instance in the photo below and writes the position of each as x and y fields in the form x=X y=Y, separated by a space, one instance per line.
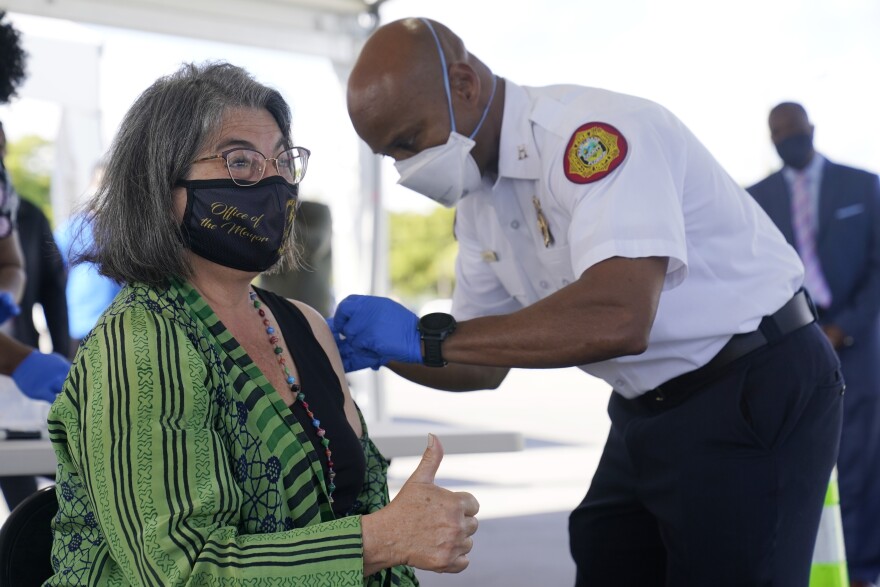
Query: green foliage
x=29 y=163
x=422 y=255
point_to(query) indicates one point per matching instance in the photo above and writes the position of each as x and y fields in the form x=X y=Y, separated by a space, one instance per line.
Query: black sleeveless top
x=320 y=384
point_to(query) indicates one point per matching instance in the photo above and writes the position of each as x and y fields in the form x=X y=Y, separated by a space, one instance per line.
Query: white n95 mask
x=444 y=173
x=447 y=172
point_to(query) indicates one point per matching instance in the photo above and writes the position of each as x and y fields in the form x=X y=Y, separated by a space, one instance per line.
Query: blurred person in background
x=88 y=292
x=831 y=214
x=12 y=74
x=37 y=375
x=45 y=283
x=45 y=279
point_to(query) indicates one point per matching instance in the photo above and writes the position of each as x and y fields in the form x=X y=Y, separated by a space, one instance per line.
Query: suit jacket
x=848 y=242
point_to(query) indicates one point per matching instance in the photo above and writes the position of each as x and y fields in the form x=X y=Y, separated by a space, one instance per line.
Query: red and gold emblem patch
x=594 y=151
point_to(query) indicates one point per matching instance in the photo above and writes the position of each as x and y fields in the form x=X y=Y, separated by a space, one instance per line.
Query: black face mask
x=796 y=151
x=244 y=228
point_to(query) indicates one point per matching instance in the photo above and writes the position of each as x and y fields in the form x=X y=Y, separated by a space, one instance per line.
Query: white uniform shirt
x=728 y=263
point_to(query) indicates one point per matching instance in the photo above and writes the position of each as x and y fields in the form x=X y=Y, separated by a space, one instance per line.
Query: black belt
x=796 y=313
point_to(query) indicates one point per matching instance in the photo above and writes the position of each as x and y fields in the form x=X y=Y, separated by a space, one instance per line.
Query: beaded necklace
x=297 y=393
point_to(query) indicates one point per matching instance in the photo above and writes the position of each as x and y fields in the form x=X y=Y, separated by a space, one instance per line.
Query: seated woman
x=206 y=434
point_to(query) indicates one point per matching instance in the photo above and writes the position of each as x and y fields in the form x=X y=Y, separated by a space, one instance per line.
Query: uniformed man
x=595 y=230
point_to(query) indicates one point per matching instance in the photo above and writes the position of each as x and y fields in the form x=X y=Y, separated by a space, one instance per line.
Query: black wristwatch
x=434 y=328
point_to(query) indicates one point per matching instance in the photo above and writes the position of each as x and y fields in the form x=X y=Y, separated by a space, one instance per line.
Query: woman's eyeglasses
x=247 y=166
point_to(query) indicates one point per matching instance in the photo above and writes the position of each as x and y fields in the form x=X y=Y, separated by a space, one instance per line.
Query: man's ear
x=464 y=83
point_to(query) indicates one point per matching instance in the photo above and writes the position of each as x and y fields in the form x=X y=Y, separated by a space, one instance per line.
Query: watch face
x=436 y=322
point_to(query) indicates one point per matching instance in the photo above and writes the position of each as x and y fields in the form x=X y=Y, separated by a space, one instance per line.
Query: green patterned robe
x=179 y=465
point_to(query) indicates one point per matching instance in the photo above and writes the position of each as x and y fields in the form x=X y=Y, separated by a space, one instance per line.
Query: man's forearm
x=12 y=275
x=452 y=377
x=608 y=312
x=12 y=280
x=12 y=353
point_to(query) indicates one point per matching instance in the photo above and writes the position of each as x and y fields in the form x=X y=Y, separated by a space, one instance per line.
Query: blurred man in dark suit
x=831 y=214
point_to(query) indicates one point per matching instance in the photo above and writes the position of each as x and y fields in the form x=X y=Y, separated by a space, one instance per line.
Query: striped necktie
x=805 y=228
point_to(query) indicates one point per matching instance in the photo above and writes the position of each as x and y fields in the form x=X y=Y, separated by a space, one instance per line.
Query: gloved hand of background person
x=8 y=307
x=353 y=360
x=373 y=331
x=40 y=376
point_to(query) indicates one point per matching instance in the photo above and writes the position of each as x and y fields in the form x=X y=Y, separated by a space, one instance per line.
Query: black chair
x=26 y=541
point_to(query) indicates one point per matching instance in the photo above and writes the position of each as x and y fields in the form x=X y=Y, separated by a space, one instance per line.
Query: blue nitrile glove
x=40 y=376
x=353 y=360
x=379 y=328
x=8 y=307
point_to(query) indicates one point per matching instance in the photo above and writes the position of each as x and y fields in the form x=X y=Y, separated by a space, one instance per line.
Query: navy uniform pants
x=724 y=487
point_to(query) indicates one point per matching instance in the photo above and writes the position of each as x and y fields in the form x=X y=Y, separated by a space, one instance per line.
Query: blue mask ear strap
x=445 y=72
x=486 y=109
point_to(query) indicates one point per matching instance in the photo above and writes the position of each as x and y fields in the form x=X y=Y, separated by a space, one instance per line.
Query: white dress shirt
x=813 y=171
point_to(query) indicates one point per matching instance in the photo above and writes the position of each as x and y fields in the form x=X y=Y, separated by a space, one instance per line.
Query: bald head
x=396 y=95
x=792 y=134
x=788 y=119
x=402 y=58
x=404 y=49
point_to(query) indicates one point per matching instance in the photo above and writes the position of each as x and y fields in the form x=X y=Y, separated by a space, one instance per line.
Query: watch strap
x=433 y=356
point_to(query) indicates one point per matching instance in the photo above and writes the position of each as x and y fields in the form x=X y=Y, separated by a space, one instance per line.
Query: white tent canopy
x=328 y=28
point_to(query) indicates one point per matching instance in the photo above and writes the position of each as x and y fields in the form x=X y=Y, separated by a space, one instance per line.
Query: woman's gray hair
x=136 y=235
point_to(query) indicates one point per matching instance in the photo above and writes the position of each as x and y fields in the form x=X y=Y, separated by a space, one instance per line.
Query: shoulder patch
x=594 y=150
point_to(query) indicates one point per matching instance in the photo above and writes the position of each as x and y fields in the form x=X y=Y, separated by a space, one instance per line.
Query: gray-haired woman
x=206 y=434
